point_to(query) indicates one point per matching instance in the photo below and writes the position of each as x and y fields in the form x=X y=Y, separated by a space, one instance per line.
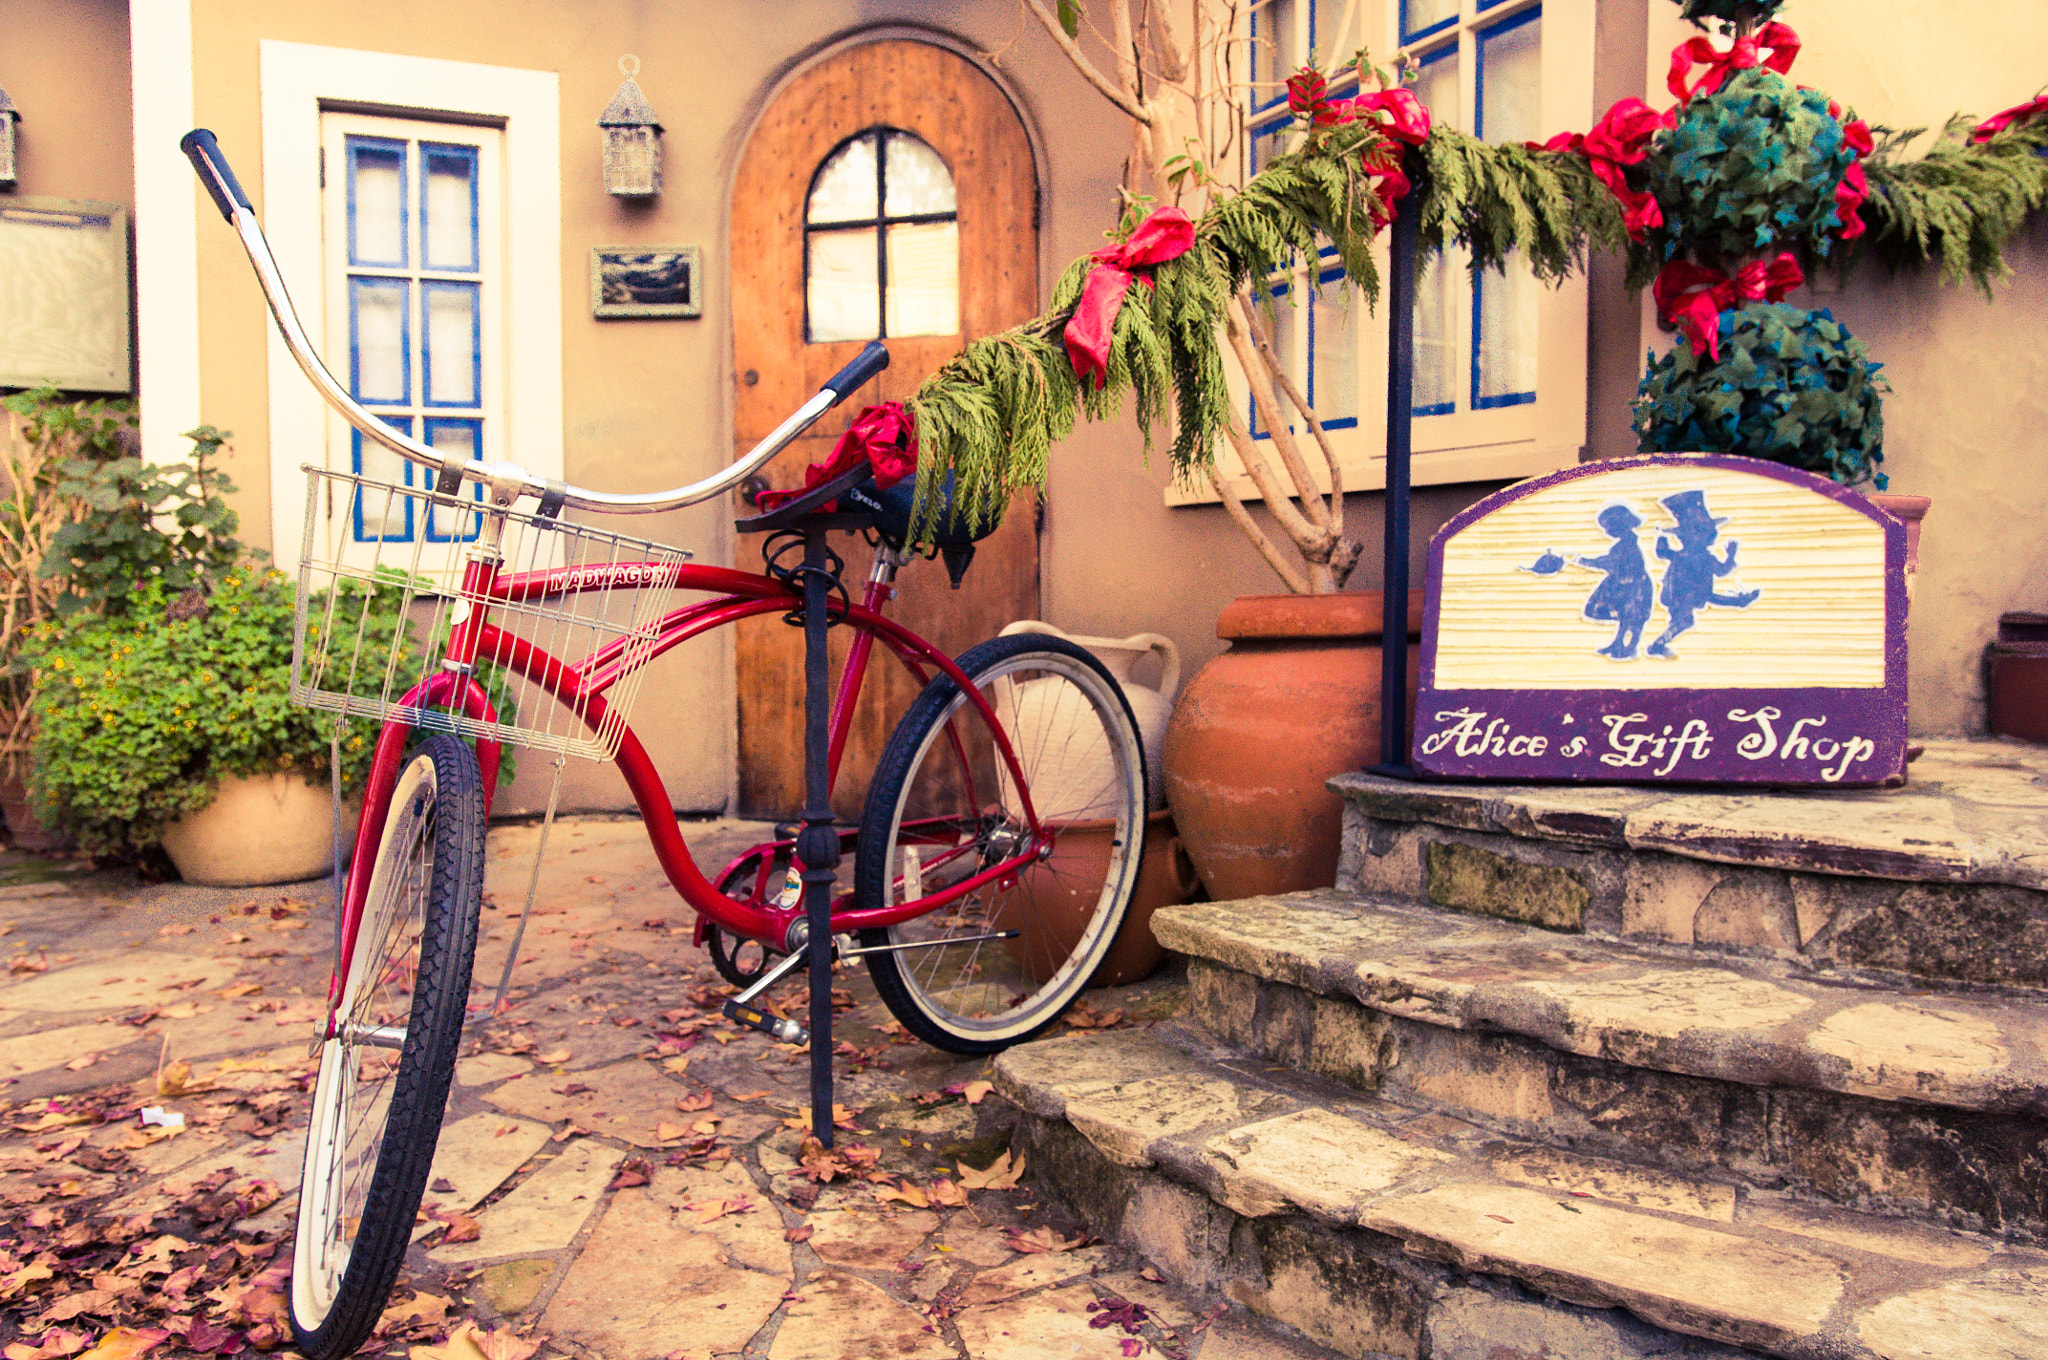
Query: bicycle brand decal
x=565 y=579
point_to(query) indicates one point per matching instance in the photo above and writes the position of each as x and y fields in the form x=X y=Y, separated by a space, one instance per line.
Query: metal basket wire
x=377 y=603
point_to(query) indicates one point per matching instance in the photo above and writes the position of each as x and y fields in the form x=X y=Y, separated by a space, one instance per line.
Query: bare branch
x=1259 y=367
x=1051 y=24
x=1315 y=427
x=1307 y=537
x=1267 y=549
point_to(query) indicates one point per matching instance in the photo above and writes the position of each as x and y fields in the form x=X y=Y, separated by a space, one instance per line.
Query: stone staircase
x=1577 y=1072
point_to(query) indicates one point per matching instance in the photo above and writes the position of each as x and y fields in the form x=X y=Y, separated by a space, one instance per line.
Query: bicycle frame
x=580 y=687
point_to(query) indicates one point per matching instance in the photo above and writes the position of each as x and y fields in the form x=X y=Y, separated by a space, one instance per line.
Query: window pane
x=1421 y=16
x=924 y=278
x=1505 y=319
x=918 y=180
x=454 y=359
x=379 y=515
x=843 y=296
x=1437 y=87
x=844 y=190
x=449 y=231
x=1284 y=320
x=1333 y=341
x=1511 y=81
x=1269 y=144
x=376 y=201
x=1276 y=50
x=461 y=437
x=1437 y=288
x=379 y=333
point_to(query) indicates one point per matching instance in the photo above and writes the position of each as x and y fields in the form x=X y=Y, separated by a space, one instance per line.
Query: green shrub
x=140 y=716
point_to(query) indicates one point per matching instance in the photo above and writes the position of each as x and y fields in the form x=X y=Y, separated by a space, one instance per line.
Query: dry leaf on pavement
x=125 y=1343
x=947 y=1193
x=975 y=1090
x=1001 y=1174
x=506 y=1344
x=906 y=1192
x=711 y=1210
x=55 y=1343
x=1040 y=1240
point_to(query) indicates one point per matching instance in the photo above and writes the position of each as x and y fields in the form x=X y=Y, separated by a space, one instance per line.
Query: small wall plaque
x=64 y=294
x=637 y=281
x=1690 y=618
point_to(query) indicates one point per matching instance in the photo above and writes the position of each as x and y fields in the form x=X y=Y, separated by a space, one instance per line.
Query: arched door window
x=881 y=241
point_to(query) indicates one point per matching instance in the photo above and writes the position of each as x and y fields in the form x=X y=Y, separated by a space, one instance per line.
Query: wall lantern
x=632 y=140
x=9 y=116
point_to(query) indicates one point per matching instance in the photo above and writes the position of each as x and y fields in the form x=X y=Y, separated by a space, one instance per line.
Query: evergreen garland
x=1960 y=203
x=1496 y=200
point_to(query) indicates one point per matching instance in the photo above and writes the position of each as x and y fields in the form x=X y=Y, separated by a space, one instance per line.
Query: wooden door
x=871 y=94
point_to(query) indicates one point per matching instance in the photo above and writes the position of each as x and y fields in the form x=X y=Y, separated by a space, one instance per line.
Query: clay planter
x=1052 y=917
x=23 y=826
x=1258 y=731
x=273 y=828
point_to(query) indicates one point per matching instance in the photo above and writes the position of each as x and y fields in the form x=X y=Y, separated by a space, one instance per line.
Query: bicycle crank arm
x=739 y=1012
x=928 y=944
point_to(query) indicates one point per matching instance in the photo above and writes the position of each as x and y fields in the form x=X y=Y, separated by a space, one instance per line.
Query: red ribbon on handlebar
x=884 y=436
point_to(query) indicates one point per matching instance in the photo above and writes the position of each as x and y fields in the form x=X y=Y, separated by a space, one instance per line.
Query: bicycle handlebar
x=507 y=481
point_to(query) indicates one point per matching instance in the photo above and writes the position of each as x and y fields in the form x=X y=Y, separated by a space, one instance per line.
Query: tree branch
x=1051 y=24
x=1259 y=368
x=1284 y=569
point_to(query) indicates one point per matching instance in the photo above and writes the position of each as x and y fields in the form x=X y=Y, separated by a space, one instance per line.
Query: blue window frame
x=1422 y=18
x=1502 y=361
x=448 y=207
x=376 y=202
x=455 y=434
x=374 y=516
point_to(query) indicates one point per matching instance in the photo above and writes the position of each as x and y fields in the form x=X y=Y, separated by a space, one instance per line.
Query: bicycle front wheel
x=384 y=1074
x=1019 y=923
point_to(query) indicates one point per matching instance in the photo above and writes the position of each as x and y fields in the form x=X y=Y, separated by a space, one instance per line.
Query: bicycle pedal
x=784 y=1031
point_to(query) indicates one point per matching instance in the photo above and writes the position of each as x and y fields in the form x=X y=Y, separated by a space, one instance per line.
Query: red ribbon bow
x=1781 y=42
x=1692 y=297
x=1621 y=137
x=1408 y=120
x=1999 y=122
x=1167 y=234
x=883 y=435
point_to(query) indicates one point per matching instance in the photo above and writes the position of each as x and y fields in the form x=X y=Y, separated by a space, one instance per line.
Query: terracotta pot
x=23 y=826
x=273 y=828
x=1053 y=917
x=1260 y=729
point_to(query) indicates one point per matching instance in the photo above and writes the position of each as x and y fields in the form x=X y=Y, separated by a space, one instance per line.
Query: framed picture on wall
x=646 y=281
x=64 y=294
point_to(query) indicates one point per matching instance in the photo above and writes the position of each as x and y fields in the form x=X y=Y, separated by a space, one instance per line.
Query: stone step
x=1931 y=1106
x=1945 y=879
x=1380 y=1229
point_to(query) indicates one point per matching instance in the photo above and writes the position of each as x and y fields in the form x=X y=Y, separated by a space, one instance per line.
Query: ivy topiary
x=1750 y=169
x=1729 y=12
x=1792 y=386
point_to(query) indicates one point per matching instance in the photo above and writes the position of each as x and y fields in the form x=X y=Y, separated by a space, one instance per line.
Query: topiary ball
x=1792 y=386
x=1750 y=169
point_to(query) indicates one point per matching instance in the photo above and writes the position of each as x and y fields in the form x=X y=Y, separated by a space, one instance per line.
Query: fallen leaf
x=711 y=1210
x=429 y=1309
x=946 y=1192
x=1040 y=1240
x=125 y=1343
x=178 y=928
x=700 y=1101
x=1000 y=1174
x=564 y=1135
x=801 y=1234
x=462 y=1228
x=904 y=1191
x=461 y=1345
x=80 y=1064
x=506 y=1344
x=976 y=1090
x=55 y=1342
x=556 y=1058
x=665 y=1132
x=240 y=989
x=174 y=1080
x=1499 y=1219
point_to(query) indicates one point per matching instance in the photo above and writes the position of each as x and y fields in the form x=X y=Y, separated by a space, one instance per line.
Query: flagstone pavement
x=618 y=1176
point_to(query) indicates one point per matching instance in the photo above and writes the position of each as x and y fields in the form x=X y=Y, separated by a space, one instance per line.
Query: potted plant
x=48 y=440
x=161 y=700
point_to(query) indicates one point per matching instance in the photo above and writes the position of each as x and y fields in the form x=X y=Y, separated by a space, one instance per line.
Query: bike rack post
x=817 y=845
x=1400 y=424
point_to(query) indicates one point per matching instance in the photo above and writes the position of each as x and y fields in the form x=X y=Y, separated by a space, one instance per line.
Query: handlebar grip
x=865 y=365
x=211 y=166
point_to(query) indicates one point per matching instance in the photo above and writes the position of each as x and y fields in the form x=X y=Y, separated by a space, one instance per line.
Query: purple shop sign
x=1675 y=618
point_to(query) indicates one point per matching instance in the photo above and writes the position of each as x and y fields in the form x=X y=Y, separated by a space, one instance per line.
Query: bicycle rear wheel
x=384 y=1075
x=944 y=811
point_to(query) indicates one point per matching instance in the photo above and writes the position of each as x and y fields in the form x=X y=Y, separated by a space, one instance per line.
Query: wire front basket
x=381 y=591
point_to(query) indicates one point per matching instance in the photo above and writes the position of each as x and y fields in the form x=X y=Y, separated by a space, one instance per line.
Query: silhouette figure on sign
x=1624 y=597
x=1689 y=580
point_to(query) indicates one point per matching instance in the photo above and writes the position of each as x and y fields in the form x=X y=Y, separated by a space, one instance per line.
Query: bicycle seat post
x=817 y=845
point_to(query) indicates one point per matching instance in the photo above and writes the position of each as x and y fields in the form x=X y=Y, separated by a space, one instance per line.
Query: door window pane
x=380 y=515
x=464 y=439
x=924 y=279
x=454 y=358
x=1505 y=305
x=380 y=336
x=918 y=181
x=376 y=201
x=843 y=292
x=449 y=212
x=1511 y=80
x=844 y=190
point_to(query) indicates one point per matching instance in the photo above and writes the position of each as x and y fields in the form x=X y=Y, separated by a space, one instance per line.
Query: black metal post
x=1400 y=422
x=817 y=844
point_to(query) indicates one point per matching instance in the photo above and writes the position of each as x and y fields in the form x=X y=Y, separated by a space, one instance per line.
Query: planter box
x=274 y=828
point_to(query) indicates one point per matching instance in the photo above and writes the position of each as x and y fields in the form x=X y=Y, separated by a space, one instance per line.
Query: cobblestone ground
x=621 y=1173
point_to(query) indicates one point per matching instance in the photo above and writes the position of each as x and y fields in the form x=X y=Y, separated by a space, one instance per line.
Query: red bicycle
x=993 y=862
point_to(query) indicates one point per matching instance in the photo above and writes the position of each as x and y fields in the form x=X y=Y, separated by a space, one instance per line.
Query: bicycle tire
x=376 y=1122
x=1085 y=766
